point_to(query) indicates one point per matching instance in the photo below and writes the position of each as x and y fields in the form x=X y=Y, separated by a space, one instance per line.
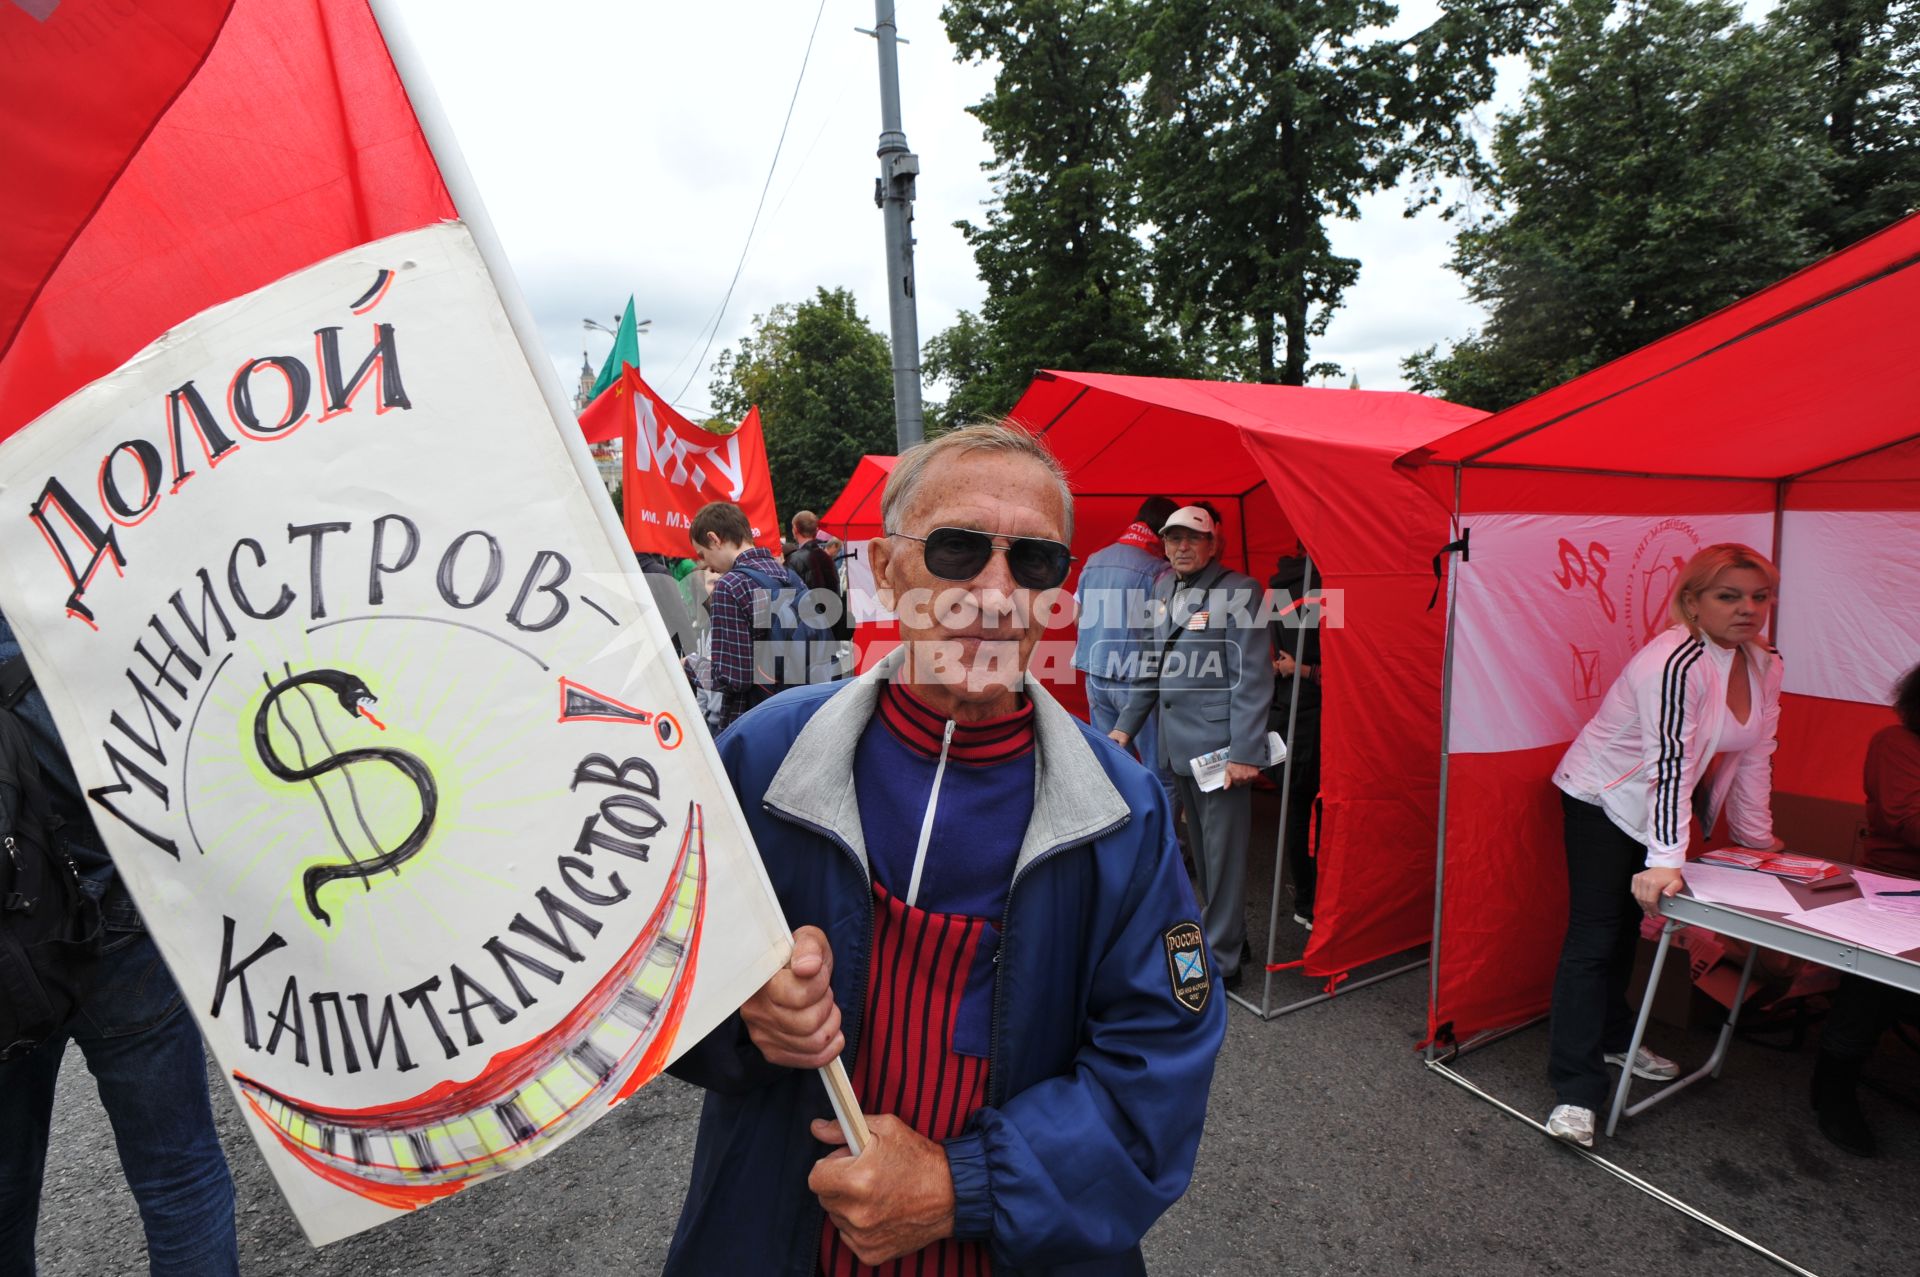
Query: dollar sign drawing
x=354 y=697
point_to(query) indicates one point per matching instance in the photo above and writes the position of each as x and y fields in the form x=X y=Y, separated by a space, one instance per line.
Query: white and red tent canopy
x=854 y=517
x=1789 y=421
x=1285 y=464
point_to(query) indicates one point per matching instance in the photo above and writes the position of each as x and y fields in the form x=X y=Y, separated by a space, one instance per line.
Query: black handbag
x=50 y=926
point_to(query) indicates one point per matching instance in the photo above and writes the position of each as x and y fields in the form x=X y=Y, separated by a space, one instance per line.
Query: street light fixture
x=595 y=324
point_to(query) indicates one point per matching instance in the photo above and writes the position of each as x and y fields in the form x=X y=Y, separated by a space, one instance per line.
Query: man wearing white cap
x=1212 y=683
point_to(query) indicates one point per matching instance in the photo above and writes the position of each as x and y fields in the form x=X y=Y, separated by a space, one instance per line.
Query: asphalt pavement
x=1330 y=1149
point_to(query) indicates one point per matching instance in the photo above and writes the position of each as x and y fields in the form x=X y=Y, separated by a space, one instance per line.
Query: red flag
x=154 y=219
x=62 y=160
x=673 y=467
x=173 y=235
x=610 y=415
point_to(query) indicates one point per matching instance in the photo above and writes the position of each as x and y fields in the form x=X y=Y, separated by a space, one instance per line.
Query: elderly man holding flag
x=994 y=931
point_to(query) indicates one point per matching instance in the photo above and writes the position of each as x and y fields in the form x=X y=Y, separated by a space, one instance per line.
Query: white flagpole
x=438 y=131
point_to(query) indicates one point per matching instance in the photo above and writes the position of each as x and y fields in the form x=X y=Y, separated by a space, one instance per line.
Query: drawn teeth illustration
x=407 y=1154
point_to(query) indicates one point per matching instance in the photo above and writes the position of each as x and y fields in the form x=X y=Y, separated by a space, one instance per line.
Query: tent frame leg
x=1622 y=1173
x=1446 y=771
x=1486 y=1038
x=1266 y=1011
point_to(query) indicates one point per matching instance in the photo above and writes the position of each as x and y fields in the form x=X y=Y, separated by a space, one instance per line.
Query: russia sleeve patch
x=1187 y=968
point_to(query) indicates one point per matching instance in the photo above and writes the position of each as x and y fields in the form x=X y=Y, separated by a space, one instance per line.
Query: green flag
x=626 y=350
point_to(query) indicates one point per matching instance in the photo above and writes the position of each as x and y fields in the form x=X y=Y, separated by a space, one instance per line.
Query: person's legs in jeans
x=1302 y=804
x=1590 y=1011
x=26 y=1112
x=1863 y=1009
x=1104 y=702
x=144 y=1051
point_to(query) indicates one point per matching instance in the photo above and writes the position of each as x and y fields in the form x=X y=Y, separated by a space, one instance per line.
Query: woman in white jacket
x=1687 y=728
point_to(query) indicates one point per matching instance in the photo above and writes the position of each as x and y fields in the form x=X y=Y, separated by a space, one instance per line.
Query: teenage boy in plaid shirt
x=723 y=542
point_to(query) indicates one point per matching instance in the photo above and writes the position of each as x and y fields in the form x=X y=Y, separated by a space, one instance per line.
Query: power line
x=764 y=188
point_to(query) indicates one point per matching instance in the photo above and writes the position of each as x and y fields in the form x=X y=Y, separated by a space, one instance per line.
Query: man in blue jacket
x=1111 y=650
x=993 y=931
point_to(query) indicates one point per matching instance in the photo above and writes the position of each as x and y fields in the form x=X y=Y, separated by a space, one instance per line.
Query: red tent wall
x=854 y=517
x=1098 y=520
x=1578 y=501
x=1316 y=465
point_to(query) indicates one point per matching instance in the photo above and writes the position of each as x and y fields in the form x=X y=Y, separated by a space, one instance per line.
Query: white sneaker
x=1571 y=1123
x=1654 y=1068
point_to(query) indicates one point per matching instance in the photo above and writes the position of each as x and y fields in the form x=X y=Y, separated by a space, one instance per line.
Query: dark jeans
x=1590 y=1012
x=145 y=1055
x=1863 y=1009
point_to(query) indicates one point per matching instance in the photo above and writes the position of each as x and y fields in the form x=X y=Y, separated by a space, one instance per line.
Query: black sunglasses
x=960 y=554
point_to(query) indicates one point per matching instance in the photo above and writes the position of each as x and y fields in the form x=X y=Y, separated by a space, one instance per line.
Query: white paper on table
x=1871 y=883
x=1210 y=768
x=1741 y=888
x=1859 y=922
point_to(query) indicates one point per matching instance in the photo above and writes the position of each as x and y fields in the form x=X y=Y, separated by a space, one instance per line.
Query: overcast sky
x=621 y=147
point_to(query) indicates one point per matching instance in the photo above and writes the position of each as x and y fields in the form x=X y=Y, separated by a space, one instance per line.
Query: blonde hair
x=988 y=436
x=1705 y=567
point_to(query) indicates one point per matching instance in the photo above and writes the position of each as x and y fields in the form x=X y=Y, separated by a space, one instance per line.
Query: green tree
x=823 y=379
x=1261 y=121
x=961 y=357
x=1862 y=58
x=1660 y=167
x=1058 y=252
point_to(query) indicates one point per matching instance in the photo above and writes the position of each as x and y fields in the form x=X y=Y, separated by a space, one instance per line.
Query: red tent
x=1789 y=421
x=854 y=517
x=855 y=513
x=1282 y=462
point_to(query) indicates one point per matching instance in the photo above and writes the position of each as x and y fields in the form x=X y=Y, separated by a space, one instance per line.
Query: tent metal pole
x=1345 y=988
x=1286 y=797
x=1488 y=1038
x=1595 y=472
x=1341 y=992
x=1246 y=554
x=1446 y=758
x=1841 y=461
x=1082 y=394
x=1779 y=539
x=1622 y=1173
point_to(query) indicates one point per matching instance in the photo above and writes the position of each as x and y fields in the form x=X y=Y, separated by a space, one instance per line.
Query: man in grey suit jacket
x=1213 y=683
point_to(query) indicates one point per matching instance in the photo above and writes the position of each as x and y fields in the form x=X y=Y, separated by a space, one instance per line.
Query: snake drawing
x=354 y=697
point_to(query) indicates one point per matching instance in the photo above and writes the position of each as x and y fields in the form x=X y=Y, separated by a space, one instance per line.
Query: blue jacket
x=1114 y=585
x=1098 y=1069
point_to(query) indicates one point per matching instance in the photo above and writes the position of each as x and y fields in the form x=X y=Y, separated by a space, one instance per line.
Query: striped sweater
x=945 y=806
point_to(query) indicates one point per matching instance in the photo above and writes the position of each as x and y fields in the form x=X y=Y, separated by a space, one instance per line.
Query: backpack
x=816 y=569
x=50 y=927
x=792 y=647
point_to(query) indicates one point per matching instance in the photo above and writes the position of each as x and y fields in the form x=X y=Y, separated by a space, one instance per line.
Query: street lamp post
x=893 y=191
x=597 y=326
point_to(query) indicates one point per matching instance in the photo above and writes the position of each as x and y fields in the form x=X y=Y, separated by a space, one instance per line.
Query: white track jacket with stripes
x=1643 y=756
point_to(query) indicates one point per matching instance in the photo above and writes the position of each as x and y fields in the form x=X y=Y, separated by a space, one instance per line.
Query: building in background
x=606 y=456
